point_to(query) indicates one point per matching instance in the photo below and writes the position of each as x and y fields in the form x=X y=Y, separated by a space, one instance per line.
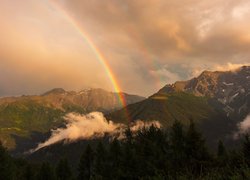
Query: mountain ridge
x=226 y=87
x=216 y=101
x=25 y=115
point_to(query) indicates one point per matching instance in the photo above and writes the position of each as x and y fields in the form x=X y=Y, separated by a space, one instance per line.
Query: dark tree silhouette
x=6 y=165
x=28 y=173
x=221 y=152
x=177 y=143
x=196 y=150
x=63 y=170
x=150 y=153
x=46 y=172
x=246 y=149
x=100 y=163
x=86 y=164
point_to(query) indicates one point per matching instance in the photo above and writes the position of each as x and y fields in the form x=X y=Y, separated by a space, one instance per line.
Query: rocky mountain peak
x=230 y=88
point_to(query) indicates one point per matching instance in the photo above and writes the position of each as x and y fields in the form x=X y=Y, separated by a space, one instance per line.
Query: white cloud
x=244 y=126
x=89 y=126
x=230 y=66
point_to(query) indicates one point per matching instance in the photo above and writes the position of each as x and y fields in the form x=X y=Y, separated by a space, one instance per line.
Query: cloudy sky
x=147 y=43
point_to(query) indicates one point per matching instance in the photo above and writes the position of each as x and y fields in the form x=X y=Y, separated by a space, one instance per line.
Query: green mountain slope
x=166 y=108
x=216 y=101
x=183 y=107
x=22 y=116
x=21 y=119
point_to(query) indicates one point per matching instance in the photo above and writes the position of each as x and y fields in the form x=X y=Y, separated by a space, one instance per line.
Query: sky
x=147 y=44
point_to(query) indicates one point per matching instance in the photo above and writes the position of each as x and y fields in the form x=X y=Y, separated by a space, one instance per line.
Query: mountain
x=216 y=101
x=88 y=100
x=26 y=118
x=231 y=89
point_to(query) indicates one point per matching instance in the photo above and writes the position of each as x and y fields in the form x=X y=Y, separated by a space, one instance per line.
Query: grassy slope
x=166 y=108
x=26 y=115
x=180 y=106
x=21 y=118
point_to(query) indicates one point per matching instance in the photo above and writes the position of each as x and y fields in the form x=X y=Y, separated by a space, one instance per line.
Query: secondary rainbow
x=143 y=50
x=97 y=52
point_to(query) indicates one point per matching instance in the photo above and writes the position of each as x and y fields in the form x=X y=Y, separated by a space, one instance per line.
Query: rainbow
x=143 y=50
x=99 y=56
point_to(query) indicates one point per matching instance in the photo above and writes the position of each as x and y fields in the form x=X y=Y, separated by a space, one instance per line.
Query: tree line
x=150 y=153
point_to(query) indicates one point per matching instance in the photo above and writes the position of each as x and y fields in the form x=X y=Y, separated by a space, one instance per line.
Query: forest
x=151 y=153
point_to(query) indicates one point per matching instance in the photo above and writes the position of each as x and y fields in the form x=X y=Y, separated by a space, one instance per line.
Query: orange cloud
x=136 y=37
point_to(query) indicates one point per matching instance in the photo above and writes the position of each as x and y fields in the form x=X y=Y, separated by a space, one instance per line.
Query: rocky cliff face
x=231 y=89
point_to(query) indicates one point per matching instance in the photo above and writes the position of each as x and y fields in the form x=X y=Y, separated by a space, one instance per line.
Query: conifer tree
x=100 y=165
x=28 y=174
x=177 y=140
x=177 y=136
x=221 y=152
x=86 y=164
x=115 y=158
x=115 y=151
x=128 y=136
x=63 y=171
x=246 y=149
x=6 y=164
x=129 y=162
x=195 y=144
x=196 y=150
x=46 y=172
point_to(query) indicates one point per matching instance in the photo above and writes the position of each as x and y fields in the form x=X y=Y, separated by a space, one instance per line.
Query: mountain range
x=216 y=101
x=23 y=119
x=231 y=89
